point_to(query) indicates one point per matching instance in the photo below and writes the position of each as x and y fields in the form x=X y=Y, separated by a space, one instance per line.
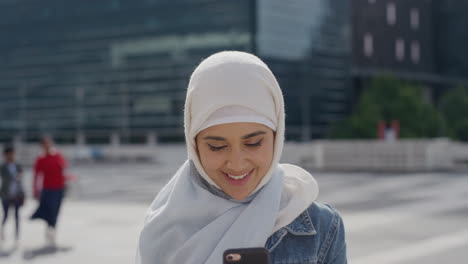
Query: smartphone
x=246 y=256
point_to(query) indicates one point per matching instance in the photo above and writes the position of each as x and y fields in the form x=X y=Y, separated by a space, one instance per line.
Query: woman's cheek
x=268 y=157
x=215 y=159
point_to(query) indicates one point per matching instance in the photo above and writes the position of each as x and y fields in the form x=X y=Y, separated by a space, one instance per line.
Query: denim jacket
x=316 y=236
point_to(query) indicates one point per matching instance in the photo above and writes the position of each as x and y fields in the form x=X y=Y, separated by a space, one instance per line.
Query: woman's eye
x=213 y=148
x=259 y=143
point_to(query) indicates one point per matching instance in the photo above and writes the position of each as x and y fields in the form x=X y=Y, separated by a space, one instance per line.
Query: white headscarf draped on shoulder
x=191 y=220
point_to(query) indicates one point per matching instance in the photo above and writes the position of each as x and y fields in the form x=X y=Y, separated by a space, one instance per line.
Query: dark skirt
x=49 y=206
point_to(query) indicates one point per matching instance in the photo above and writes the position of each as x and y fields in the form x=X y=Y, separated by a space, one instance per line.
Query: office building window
x=115 y=4
x=47 y=12
x=400 y=49
x=414 y=18
x=391 y=13
x=415 y=52
x=368 y=45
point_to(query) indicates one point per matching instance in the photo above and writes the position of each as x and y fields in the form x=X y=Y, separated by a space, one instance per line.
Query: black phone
x=246 y=256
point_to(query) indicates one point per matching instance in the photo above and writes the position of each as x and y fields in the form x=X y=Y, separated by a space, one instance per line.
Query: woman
x=11 y=191
x=232 y=192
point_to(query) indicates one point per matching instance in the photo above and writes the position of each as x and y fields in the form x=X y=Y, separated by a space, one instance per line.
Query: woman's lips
x=238 y=181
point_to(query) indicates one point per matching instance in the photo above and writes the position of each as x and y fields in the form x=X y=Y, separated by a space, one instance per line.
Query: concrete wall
x=403 y=155
x=370 y=155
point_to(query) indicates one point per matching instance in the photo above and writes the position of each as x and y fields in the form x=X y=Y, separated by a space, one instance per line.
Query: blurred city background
x=376 y=103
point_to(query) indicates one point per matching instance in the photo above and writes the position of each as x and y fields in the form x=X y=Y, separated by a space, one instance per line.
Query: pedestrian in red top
x=49 y=186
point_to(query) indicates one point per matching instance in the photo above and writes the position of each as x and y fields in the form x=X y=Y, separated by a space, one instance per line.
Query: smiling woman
x=236 y=156
x=232 y=192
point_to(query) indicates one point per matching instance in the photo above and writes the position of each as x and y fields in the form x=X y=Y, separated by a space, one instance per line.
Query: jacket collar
x=302 y=225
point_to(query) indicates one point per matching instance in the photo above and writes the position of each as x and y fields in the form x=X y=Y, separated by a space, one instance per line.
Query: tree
x=454 y=108
x=389 y=99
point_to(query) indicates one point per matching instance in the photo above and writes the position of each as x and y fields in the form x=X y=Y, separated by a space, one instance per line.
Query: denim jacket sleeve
x=317 y=236
x=337 y=247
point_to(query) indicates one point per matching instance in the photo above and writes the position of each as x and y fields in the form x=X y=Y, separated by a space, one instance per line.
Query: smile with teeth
x=238 y=177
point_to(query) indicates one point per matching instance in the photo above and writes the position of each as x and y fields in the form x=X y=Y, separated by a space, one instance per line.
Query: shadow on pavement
x=29 y=254
x=6 y=253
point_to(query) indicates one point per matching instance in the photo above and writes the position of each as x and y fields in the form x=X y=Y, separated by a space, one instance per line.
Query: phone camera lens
x=233 y=258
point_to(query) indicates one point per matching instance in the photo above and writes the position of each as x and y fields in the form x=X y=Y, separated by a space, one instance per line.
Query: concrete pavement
x=389 y=218
x=88 y=232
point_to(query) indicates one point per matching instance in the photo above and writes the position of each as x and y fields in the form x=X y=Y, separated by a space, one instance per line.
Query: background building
x=451 y=39
x=391 y=35
x=308 y=46
x=416 y=40
x=393 y=38
x=94 y=68
x=88 y=69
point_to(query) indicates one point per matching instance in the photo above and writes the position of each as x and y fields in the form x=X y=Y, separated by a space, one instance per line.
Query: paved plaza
x=390 y=218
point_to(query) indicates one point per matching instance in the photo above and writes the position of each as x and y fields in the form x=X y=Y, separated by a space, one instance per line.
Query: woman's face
x=236 y=156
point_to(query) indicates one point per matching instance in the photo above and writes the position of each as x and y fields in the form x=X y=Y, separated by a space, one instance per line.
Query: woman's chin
x=239 y=197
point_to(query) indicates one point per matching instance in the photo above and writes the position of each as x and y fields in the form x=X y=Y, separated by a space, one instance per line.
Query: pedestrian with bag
x=11 y=191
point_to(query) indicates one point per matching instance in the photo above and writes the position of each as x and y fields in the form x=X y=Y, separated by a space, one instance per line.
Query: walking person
x=48 y=187
x=11 y=191
x=232 y=192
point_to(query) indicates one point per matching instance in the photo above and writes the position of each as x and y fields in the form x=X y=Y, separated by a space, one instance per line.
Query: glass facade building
x=96 y=68
x=308 y=46
x=451 y=38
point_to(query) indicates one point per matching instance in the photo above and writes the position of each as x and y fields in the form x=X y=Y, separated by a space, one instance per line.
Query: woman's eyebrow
x=215 y=138
x=253 y=134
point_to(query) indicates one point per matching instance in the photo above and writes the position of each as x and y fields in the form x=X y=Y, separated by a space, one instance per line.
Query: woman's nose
x=237 y=161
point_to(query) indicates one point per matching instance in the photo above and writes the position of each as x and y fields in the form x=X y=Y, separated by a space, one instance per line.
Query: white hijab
x=191 y=220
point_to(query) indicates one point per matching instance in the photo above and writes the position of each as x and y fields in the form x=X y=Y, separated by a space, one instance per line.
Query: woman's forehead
x=242 y=130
